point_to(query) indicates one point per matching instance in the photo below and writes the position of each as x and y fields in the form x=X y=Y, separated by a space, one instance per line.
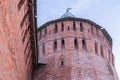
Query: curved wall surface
x=74 y=49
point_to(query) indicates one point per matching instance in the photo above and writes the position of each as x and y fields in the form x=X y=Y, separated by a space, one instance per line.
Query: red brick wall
x=15 y=43
x=78 y=64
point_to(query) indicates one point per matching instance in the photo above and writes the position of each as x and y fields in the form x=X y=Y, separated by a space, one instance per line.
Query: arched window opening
x=43 y=48
x=102 y=54
x=83 y=43
x=81 y=27
x=74 y=26
x=62 y=44
x=55 y=45
x=76 y=43
x=96 y=48
x=62 y=26
x=56 y=28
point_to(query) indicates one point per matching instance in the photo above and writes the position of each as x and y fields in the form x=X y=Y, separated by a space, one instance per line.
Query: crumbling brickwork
x=74 y=49
x=17 y=39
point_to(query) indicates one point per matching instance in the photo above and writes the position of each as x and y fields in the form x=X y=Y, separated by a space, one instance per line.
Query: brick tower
x=18 y=40
x=72 y=48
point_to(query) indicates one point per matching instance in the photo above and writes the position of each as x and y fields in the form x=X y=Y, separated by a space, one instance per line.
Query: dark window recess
x=62 y=44
x=40 y=36
x=83 y=43
x=96 y=50
x=55 y=45
x=76 y=43
x=68 y=28
x=62 y=63
x=102 y=54
x=43 y=48
x=74 y=26
x=49 y=32
x=112 y=60
x=92 y=30
x=62 y=27
x=20 y=4
x=97 y=31
x=79 y=72
x=56 y=28
x=81 y=27
x=110 y=69
x=45 y=31
x=88 y=30
x=109 y=56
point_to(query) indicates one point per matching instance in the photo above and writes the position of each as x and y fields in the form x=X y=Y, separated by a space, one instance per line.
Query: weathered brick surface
x=15 y=43
x=69 y=63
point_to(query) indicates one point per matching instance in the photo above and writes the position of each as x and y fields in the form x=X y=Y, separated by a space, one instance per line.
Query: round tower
x=72 y=48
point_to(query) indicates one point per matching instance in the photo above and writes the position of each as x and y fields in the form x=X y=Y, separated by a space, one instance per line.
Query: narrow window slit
x=56 y=28
x=76 y=43
x=102 y=54
x=45 y=31
x=43 y=48
x=62 y=44
x=109 y=56
x=96 y=50
x=68 y=28
x=74 y=26
x=40 y=35
x=83 y=43
x=55 y=46
x=92 y=29
x=81 y=27
x=62 y=26
x=62 y=63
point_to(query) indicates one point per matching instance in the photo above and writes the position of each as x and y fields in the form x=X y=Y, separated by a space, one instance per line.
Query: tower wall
x=17 y=39
x=74 y=49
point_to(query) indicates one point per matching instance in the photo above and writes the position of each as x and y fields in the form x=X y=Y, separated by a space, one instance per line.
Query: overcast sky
x=105 y=13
